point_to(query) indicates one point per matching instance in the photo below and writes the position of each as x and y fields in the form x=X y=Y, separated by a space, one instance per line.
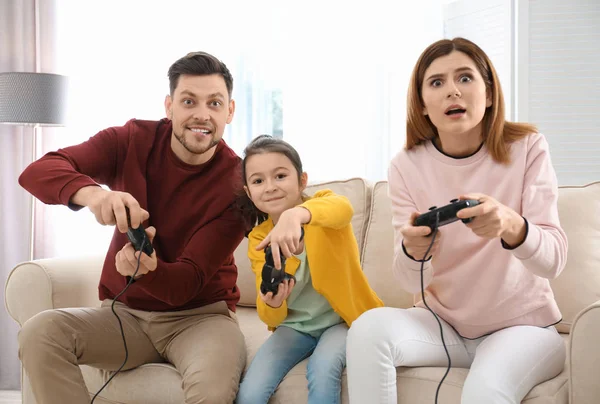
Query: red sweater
x=191 y=207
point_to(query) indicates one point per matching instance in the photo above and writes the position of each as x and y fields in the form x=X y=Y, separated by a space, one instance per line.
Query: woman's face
x=455 y=95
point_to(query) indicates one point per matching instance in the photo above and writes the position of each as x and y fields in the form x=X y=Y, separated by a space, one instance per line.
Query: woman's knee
x=372 y=328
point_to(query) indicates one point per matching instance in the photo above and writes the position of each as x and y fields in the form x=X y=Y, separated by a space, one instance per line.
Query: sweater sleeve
x=406 y=269
x=57 y=176
x=328 y=209
x=179 y=282
x=272 y=317
x=544 y=251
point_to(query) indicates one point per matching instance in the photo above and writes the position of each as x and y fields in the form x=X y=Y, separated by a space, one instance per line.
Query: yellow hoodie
x=332 y=252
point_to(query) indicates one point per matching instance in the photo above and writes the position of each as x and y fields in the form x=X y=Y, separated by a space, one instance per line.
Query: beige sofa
x=54 y=283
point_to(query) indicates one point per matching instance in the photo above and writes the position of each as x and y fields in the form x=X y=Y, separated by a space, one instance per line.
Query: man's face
x=199 y=110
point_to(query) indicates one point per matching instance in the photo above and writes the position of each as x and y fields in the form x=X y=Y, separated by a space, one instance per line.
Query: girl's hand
x=286 y=234
x=493 y=219
x=283 y=292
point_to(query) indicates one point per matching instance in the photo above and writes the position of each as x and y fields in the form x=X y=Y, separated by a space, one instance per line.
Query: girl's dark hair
x=259 y=145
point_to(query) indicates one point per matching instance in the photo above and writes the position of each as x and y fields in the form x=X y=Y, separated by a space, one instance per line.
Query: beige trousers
x=205 y=345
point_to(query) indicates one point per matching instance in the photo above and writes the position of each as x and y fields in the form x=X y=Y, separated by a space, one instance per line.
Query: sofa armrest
x=52 y=283
x=584 y=356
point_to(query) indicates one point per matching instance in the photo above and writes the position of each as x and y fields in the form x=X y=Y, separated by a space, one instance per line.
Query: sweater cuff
x=147 y=279
x=411 y=257
x=406 y=261
x=67 y=192
x=529 y=246
x=507 y=247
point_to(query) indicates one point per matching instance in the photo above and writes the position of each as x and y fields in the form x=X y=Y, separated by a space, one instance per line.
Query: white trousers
x=504 y=365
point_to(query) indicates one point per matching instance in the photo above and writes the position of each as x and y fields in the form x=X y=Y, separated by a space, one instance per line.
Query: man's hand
x=285 y=236
x=126 y=260
x=493 y=219
x=109 y=207
x=283 y=292
x=417 y=239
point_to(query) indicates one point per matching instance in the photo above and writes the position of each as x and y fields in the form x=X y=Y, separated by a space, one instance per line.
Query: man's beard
x=200 y=149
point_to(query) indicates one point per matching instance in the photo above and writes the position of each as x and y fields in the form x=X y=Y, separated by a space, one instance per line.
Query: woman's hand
x=492 y=219
x=417 y=239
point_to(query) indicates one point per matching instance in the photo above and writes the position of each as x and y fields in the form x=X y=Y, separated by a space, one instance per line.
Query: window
x=559 y=82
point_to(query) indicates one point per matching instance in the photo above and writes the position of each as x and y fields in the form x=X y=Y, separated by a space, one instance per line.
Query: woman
x=487 y=281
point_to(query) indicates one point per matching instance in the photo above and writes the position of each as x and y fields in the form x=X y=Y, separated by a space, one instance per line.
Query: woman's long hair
x=497 y=133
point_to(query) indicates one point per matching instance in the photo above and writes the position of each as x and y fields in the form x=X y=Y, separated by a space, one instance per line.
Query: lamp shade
x=33 y=98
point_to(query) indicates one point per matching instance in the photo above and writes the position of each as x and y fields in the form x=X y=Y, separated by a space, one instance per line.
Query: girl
x=487 y=280
x=312 y=314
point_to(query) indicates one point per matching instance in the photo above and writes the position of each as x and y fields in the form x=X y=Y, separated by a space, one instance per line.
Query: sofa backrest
x=357 y=190
x=578 y=285
x=576 y=288
x=378 y=251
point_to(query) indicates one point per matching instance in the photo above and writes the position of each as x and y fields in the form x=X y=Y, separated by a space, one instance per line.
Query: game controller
x=447 y=214
x=272 y=277
x=137 y=236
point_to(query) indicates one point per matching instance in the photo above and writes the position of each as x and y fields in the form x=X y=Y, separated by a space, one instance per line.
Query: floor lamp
x=33 y=99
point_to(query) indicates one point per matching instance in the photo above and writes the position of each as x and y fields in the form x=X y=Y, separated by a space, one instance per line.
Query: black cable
x=112 y=307
x=437 y=391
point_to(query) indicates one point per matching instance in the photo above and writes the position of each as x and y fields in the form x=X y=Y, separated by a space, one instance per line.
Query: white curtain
x=21 y=50
x=330 y=76
x=348 y=66
x=117 y=53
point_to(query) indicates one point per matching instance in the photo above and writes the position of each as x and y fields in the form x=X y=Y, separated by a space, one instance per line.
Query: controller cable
x=435 y=231
x=112 y=306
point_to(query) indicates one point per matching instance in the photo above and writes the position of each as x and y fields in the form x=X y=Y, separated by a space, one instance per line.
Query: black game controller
x=137 y=236
x=447 y=214
x=272 y=277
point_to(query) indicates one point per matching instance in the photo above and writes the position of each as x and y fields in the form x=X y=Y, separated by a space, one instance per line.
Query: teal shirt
x=308 y=311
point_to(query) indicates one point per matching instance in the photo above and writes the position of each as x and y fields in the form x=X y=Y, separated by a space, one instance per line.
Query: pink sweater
x=476 y=284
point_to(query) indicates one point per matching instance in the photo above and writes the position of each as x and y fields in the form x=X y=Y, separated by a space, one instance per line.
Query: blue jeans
x=283 y=350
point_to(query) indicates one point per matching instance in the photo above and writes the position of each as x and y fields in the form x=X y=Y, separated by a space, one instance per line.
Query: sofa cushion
x=378 y=251
x=255 y=331
x=578 y=285
x=161 y=383
x=246 y=282
x=357 y=190
x=415 y=385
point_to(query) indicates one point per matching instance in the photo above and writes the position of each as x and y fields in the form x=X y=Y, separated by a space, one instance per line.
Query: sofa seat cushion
x=415 y=385
x=153 y=383
x=160 y=383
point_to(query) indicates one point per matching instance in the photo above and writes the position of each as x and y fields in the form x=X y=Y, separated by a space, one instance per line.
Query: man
x=177 y=176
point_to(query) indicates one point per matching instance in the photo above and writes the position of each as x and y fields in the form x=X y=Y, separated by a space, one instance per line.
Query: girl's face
x=455 y=95
x=273 y=184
